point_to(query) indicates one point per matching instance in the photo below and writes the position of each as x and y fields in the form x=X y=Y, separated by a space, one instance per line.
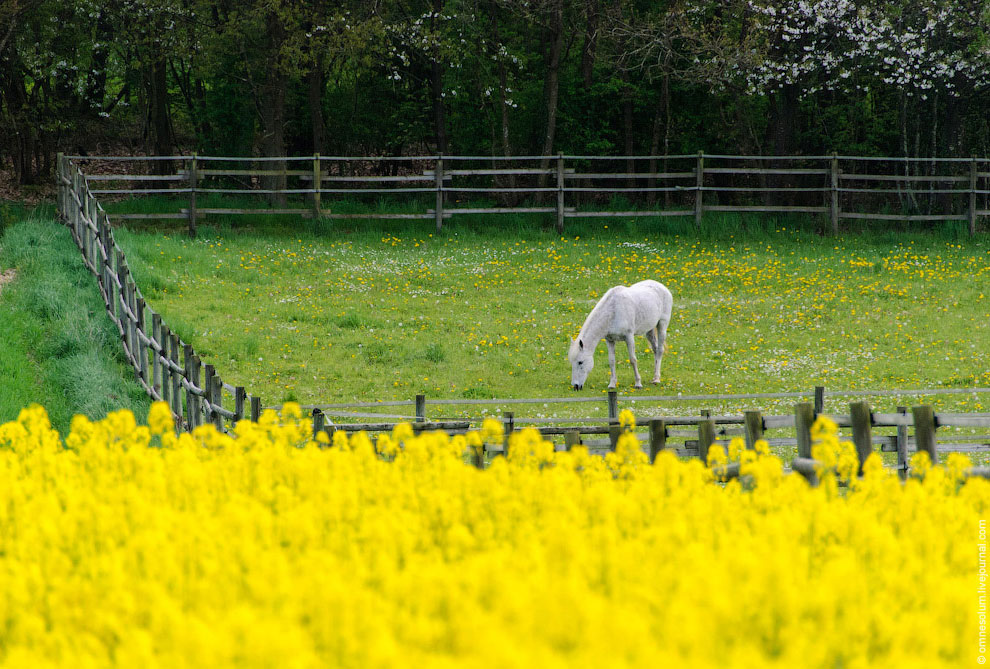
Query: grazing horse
x=622 y=313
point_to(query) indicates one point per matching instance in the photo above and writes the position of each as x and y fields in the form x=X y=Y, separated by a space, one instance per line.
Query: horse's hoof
x=638 y=385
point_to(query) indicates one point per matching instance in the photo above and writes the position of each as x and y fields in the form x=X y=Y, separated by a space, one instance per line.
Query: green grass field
x=359 y=311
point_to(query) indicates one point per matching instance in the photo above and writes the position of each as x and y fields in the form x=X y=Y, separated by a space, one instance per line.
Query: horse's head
x=582 y=360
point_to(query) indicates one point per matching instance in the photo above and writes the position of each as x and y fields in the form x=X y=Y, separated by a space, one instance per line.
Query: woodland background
x=489 y=77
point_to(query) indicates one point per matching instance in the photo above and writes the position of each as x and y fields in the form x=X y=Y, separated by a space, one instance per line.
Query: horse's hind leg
x=631 y=345
x=651 y=336
x=613 y=379
x=660 y=349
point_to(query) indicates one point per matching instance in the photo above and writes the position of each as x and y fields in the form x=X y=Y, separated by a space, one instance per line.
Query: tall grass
x=59 y=347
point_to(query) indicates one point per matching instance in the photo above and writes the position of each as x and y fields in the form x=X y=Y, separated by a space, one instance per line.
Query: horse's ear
x=580 y=344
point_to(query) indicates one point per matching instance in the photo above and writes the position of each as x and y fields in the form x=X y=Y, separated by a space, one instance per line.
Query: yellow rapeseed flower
x=257 y=549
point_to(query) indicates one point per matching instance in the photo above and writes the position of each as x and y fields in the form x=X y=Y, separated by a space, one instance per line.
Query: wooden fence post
x=156 y=351
x=73 y=209
x=60 y=191
x=972 y=196
x=420 y=408
x=208 y=373
x=142 y=334
x=834 y=205
x=706 y=437
x=902 y=439
x=560 y=193
x=240 y=394
x=819 y=400
x=508 y=422
x=438 y=176
x=166 y=370
x=658 y=437
x=804 y=416
x=117 y=287
x=699 y=192
x=125 y=319
x=478 y=456
x=508 y=427
x=195 y=410
x=572 y=438
x=614 y=430
x=862 y=422
x=317 y=186
x=187 y=371
x=216 y=398
x=317 y=422
x=84 y=245
x=193 y=178
x=106 y=261
x=255 y=409
x=924 y=431
x=613 y=406
x=754 y=428
x=90 y=234
x=176 y=377
x=132 y=321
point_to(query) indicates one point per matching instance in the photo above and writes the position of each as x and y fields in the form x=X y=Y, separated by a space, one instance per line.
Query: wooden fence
x=166 y=367
x=693 y=436
x=836 y=187
x=169 y=370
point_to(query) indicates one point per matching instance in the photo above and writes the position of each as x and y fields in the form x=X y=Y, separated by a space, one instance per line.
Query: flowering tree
x=931 y=53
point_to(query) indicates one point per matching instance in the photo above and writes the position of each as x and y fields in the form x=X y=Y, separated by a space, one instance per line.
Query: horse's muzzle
x=578 y=386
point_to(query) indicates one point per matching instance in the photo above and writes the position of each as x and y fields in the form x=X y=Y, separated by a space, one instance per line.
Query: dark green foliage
x=273 y=77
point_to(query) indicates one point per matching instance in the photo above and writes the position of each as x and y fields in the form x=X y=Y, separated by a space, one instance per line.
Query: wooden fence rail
x=717 y=430
x=840 y=187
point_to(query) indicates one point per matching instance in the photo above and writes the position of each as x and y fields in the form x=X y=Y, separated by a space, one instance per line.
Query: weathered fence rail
x=839 y=187
x=709 y=430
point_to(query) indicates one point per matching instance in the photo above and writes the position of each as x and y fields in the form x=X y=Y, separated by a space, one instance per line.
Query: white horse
x=622 y=313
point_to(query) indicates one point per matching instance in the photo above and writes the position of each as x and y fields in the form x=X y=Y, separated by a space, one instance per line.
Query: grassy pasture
x=359 y=311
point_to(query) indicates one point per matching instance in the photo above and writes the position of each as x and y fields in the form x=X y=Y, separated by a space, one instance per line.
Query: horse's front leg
x=611 y=363
x=651 y=336
x=631 y=345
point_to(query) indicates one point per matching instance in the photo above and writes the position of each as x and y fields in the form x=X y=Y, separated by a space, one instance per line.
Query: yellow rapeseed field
x=128 y=545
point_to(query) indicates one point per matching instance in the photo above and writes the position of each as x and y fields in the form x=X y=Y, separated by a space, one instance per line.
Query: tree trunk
x=273 y=135
x=317 y=82
x=782 y=131
x=96 y=79
x=590 y=49
x=21 y=130
x=158 y=112
x=505 y=199
x=555 y=38
x=439 y=113
x=627 y=128
x=272 y=111
x=436 y=88
x=660 y=121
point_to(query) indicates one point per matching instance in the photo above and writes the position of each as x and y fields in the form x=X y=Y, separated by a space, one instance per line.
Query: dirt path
x=6 y=277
